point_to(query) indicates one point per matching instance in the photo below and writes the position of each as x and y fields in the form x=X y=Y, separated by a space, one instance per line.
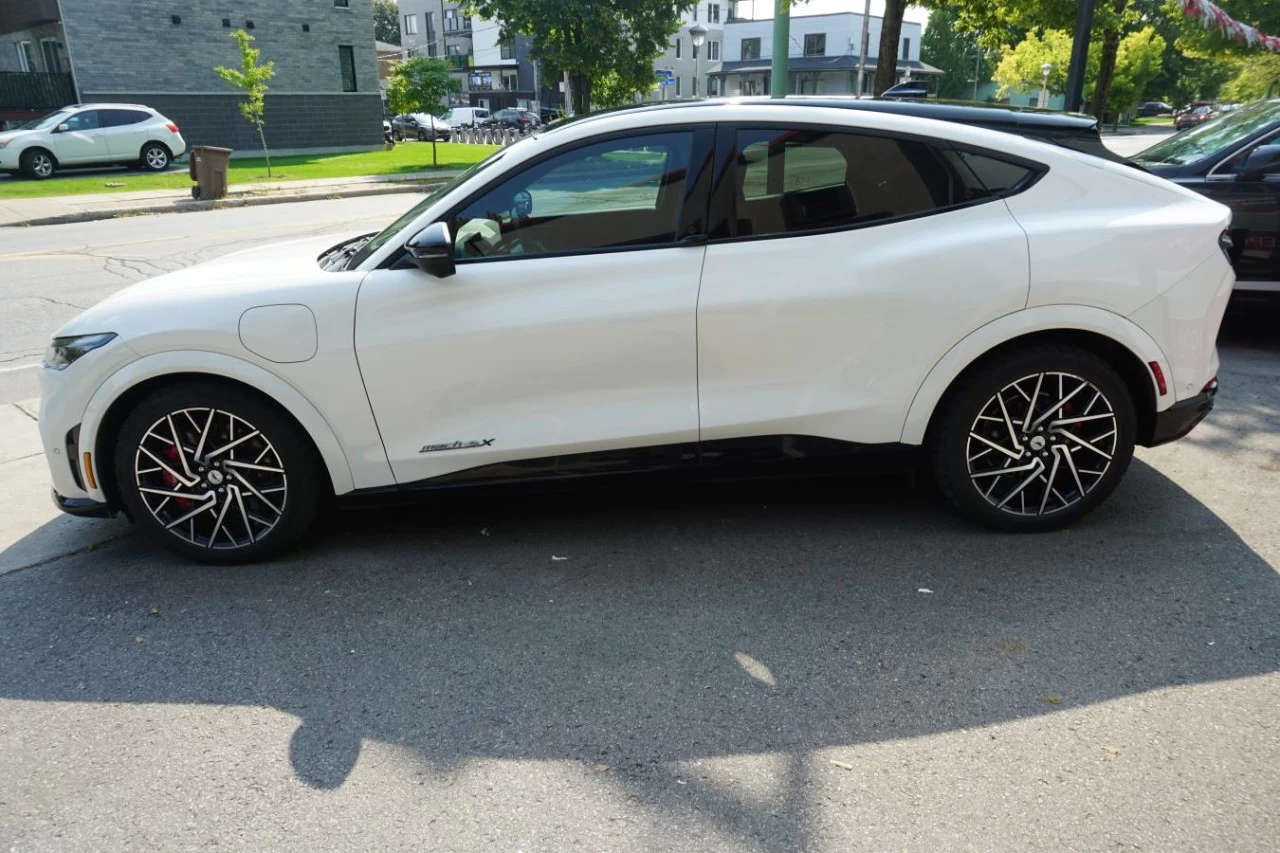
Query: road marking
x=19 y=367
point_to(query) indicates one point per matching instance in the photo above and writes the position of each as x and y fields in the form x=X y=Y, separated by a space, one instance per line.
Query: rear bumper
x=1180 y=418
x=82 y=507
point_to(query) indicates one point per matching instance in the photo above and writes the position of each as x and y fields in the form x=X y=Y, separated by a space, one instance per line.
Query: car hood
x=280 y=272
x=10 y=135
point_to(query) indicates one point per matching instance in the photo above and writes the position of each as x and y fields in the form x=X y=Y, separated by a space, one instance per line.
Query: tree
x=251 y=78
x=386 y=21
x=890 y=33
x=1257 y=78
x=1139 y=57
x=955 y=53
x=610 y=90
x=421 y=85
x=1020 y=69
x=587 y=39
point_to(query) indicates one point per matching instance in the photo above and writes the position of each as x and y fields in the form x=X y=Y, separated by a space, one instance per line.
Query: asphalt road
x=50 y=274
x=831 y=666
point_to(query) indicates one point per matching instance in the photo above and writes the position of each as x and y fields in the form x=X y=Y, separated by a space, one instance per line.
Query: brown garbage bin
x=208 y=168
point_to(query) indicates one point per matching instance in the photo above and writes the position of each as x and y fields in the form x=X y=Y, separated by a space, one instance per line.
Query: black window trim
x=693 y=214
x=725 y=174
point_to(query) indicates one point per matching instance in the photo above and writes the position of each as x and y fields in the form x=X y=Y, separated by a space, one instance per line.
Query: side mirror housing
x=1262 y=161
x=62 y=128
x=432 y=250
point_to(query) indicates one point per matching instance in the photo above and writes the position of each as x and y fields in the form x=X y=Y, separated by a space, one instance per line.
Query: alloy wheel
x=1041 y=443
x=42 y=165
x=157 y=159
x=211 y=478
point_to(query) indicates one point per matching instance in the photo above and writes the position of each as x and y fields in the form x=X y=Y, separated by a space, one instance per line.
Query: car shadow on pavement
x=646 y=629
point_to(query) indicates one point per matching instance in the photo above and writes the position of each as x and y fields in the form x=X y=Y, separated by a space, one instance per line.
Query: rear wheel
x=217 y=474
x=37 y=163
x=155 y=157
x=1034 y=439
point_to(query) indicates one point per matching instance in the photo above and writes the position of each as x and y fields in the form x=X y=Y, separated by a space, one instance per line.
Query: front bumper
x=1182 y=417
x=82 y=507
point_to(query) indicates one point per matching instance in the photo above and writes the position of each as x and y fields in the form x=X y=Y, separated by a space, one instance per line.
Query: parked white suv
x=466 y=116
x=92 y=134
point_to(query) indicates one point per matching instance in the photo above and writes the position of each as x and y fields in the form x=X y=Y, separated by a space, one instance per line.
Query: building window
x=677 y=87
x=505 y=50
x=411 y=25
x=751 y=48
x=906 y=48
x=49 y=49
x=679 y=46
x=713 y=50
x=713 y=13
x=815 y=44
x=695 y=11
x=510 y=81
x=347 y=59
x=25 y=60
x=431 y=24
x=450 y=20
x=342 y=4
x=695 y=50
x=432 y=50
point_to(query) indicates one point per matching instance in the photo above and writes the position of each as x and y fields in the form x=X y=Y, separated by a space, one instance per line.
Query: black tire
x=38 y=164
x=397 y=136
x=422 y=136
x=958 y=476
x=155 y=157
x=301 y=482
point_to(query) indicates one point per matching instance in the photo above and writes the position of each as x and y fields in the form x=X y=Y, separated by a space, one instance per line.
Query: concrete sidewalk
x=32 y=530
x=54 y=210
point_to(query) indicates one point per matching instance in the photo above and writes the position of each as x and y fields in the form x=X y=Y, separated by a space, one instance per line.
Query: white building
x=687 y=65
x=822 y=55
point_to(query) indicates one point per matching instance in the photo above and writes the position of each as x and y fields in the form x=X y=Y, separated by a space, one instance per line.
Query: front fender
x=228 y=367
x=1043 y=318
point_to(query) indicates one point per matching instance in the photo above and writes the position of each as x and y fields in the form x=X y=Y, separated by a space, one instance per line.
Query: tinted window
x=800 y=180
x=996 y=176
x=347 y=63
x=625 y=192
x=87 y=120
x=121 y=118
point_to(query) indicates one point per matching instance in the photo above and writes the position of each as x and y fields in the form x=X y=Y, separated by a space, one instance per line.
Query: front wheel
x=1034 y=439
x=37 y=163
x=216 y=473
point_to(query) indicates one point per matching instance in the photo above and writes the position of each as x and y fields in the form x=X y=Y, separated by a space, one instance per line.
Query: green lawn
x=406 y=157
x=1156 y=120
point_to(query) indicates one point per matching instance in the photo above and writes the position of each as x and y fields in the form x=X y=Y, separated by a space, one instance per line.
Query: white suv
x=91 y=134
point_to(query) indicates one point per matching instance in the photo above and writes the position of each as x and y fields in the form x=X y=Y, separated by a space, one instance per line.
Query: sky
x=764 y=8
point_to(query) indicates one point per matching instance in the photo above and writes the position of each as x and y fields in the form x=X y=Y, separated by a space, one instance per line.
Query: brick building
x=324 y=95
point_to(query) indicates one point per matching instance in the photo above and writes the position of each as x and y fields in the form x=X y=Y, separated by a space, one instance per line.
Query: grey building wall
x=132 y=51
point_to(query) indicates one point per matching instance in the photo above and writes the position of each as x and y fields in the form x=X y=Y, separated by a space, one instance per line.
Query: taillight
x=1159 y=377
x=173 y=128
x=1211 y=385
x=1225 y=244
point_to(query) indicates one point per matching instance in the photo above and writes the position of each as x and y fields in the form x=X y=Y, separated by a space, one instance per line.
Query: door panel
x=545 y=356
x=125 y=131
x=82 y=142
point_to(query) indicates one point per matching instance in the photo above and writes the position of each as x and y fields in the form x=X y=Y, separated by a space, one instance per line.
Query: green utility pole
x=781 y=38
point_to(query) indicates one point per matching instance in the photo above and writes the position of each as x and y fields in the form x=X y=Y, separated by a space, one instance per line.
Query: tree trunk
x=890 y=31
x=1107 y=65
x=262 y=136
x=580 y=86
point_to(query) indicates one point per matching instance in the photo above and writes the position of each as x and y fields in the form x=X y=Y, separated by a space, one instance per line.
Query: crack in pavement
x=92 y=546
x=55 y=301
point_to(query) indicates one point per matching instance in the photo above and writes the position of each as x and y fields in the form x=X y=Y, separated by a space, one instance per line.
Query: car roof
x=112 y=106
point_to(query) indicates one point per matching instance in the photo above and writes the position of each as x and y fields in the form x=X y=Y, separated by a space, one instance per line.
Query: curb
x=193 y=206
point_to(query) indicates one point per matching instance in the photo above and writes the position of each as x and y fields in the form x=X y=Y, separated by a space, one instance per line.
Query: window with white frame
x=713 y=50
x=505 y=50
x=713 y=13
x=26 y=62
x=679 y=46
x=49 y=50
x=411 y=25
x=510 y=81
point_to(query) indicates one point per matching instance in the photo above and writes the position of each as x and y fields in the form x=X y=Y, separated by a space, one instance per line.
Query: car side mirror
x=1262 y=161
x=432 y=250
x=62 y=128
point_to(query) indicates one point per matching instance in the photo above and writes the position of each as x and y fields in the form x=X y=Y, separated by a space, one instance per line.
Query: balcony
x=455 y=26
x=460 y=61
x=29 y=90
x=18 y=15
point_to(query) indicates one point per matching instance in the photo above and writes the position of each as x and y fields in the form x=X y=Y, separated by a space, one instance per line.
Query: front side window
x=804 y=180
x=815 y=44
x=87 y=120
x=620 y=193
x=751 y=48
x=347 y=61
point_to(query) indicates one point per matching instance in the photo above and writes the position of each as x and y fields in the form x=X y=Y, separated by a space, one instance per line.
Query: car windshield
x=45 y=122
x=379 y=239
x=1211 y=137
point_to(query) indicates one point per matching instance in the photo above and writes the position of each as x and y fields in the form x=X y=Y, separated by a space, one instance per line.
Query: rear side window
x=802 y=180
x=998 y=177
x=120 y=118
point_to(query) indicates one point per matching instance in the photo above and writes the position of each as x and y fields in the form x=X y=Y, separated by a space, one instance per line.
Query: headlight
x=4 y=143
x=64 y=351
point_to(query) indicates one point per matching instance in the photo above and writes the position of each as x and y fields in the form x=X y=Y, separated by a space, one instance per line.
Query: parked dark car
x=517 y=119
x=419 y=126
x=1194 y=116
x=1154 y=108
x=1234 y=159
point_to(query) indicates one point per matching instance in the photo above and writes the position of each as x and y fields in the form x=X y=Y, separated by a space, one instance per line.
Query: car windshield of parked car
x=378 y=240
x=44 y=123
x=1211 y=137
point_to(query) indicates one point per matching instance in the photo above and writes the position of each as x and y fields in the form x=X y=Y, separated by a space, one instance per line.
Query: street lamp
x=698 y=35
x=1044 y=87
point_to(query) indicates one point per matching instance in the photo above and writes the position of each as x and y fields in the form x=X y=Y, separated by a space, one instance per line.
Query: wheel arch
x=1117 y=340
x=116 y=397
x=38 y=147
